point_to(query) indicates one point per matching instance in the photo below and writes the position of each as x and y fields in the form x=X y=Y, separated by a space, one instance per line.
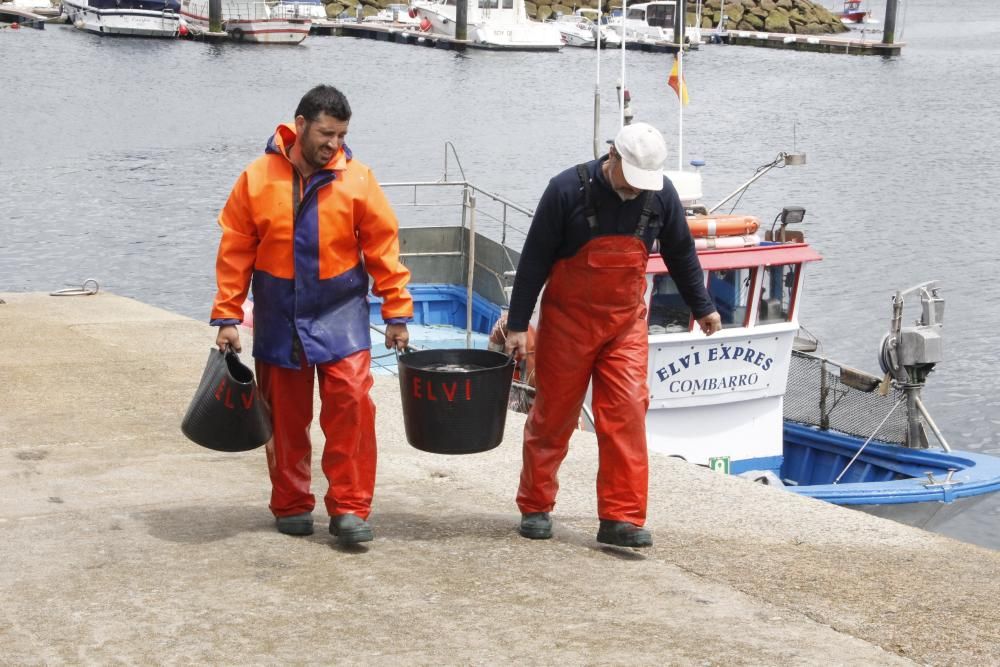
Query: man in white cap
x=588 y=245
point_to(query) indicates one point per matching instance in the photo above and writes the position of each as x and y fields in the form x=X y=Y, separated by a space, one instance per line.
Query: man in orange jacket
x=307 y=224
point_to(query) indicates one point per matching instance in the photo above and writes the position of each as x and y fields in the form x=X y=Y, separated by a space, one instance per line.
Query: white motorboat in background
x=137 y=18
x=576 y=30
x=246 y=21
x=493 y=24
x=647 y=22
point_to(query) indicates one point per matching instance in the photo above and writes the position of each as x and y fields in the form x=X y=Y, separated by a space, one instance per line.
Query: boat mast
x=621 y=105
x=679 y=35
x=597 y=84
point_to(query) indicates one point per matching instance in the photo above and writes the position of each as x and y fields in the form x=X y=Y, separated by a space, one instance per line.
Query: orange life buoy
x=525 y=371
x=714 y=242
x=722 y=225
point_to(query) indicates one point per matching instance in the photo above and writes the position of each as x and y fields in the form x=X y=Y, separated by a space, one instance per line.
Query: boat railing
x=832 y=396
x=475 y=208
x=485 y=250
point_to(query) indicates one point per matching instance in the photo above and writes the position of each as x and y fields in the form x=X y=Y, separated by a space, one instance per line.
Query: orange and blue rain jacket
x=308 y=247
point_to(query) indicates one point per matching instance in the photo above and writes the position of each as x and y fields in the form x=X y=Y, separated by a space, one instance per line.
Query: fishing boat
x=852 y=12
x=492 y=24
x=253 y=22
x=744 y=401
x=136 y=18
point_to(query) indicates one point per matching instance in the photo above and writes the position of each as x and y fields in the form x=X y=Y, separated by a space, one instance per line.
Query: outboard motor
x=908 y=353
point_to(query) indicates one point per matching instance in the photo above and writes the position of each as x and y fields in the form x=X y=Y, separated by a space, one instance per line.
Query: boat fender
x=412 y=12
x=722 y=225
x=425 y=24
x=237 y=34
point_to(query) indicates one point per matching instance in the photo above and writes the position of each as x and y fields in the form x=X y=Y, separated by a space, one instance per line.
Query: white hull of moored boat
x=131 y=21
x=501 y=29
x=253 y=22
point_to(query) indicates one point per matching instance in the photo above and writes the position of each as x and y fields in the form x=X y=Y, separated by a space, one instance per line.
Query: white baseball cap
x=643 y=152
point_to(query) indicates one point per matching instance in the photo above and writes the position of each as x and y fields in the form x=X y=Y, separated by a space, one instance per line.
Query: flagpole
x=597 y=85
x=680 y=106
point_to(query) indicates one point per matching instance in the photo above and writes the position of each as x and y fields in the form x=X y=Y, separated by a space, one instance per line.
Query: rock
x=544 y=12
x=777 y=22
x=334 y=9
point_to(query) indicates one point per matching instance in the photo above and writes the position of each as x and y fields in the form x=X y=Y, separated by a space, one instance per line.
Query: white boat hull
x=251 y=22
x=129 y=22
x=494 y=32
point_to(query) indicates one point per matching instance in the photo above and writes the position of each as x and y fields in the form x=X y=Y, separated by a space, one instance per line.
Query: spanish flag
x=678 y=84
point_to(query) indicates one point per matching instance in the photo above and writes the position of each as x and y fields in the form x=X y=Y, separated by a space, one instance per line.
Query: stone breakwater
x=800 y=17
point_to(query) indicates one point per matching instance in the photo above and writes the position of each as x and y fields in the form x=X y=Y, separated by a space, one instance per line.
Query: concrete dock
x=123 y=542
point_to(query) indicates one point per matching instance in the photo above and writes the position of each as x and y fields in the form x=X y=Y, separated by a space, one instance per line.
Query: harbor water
x=118 y=153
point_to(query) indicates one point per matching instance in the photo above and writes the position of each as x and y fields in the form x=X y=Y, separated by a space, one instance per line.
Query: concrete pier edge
x=124 y=542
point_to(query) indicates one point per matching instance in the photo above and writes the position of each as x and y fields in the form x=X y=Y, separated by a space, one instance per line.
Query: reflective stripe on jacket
x=309 y=275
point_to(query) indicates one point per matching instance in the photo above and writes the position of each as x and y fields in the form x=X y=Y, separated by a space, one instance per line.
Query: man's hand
x=710 y=323
x=517 y=344
x=397 y=336
x=229 y=336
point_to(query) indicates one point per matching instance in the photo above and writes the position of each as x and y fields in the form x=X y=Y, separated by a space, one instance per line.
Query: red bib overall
x=592 y=326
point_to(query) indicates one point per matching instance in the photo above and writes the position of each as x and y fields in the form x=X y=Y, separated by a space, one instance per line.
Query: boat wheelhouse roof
x=767 y=254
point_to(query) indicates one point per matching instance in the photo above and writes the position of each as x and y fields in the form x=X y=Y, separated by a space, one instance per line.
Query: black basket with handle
x=227 y=413
x=455 y=400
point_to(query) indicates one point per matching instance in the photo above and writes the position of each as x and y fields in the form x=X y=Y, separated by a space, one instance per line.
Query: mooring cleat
x=623 y=534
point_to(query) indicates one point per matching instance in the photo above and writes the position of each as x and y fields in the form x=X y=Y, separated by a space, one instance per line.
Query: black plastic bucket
x=227 y=413
x=455 y=411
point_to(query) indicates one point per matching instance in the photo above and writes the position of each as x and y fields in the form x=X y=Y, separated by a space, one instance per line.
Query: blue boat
x=750 y=400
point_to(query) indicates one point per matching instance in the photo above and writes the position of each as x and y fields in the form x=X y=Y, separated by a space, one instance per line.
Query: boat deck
x=124 y=542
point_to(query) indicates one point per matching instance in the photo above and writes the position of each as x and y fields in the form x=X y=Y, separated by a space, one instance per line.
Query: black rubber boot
x=297 y=524
x=351 y=529
x=536 y=526
x=623 y=534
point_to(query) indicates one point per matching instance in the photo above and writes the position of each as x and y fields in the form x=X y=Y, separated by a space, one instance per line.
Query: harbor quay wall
x=123 y=542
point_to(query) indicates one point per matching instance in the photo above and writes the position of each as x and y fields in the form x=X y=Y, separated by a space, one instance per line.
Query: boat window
x=777 y=288
x=638 y=14
x=667 y=311
x=660 y=16
x=487 y=4
x=730 y=290
x=507 y=4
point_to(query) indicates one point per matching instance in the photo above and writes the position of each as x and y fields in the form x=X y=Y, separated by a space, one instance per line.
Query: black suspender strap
x=647 y=213
x=588 y=197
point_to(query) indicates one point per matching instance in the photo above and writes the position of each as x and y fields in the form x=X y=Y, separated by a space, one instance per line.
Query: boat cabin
x=719 y=398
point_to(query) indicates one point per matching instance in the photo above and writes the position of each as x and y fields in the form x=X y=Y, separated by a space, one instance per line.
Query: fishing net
x=825 y=394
